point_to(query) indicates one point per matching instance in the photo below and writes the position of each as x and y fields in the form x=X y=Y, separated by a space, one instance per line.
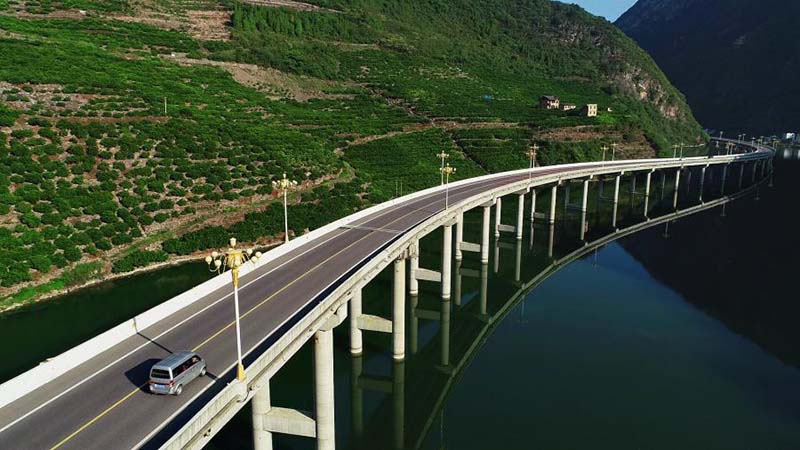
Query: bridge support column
x=262 y=439
x=356 y=335
x=413 y=263
x=398 y=310
x=615 y=211
x=447 y=258
x=485 y=235
x=496 y=259
x=551 y=240
x=533 y=204
x=584 y=208
x=553 y=195
x=520 y=215
x=498 y=216
x=677 y=189
x=647 y=181
x=457 y=285
x=702 y=182
x=567 y=194
x=518 y=262
x=459 y=235
x=755 y=170
x=323 y=391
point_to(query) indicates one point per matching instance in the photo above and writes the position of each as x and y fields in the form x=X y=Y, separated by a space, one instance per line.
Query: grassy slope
x=90 y=161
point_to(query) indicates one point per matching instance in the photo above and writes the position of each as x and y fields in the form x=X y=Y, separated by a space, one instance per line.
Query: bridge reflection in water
x=397 y=404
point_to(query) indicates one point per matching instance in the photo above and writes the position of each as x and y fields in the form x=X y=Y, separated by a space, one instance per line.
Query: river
x=678 y=337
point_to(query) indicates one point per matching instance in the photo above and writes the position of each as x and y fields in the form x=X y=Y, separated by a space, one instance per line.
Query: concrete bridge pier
x=261 y=404
x=413 y=263
x=677 y=189
x=550 y=240
x=755 y=171
x=485 y=234
x=648 y=179
x=356 y=335
x=615 y=211
x=498 y=216
x=518 y=262
x=567 y=194
x=398 y=310
x=663 y=184
x=447 y=259
x=553 y=195
x=702 y=182
x=520 y=215
x=688 y=179
x=459 y=235
x=584 y=207
x=323 y=389
x=533 y=204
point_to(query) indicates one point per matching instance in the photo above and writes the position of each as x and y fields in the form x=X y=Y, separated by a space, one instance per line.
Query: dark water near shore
x=650 y=342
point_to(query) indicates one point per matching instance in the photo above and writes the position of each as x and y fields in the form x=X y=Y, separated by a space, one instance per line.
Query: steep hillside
x=736 y=60
x=135 y=132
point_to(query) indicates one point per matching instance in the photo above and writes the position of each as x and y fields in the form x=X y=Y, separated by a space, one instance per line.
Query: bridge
x=94 y=395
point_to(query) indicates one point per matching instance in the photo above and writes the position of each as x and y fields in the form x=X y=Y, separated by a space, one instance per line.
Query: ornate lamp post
x=532 y=155
x=446 y=172
x=233 y=259
x=443 y=156
x=284 y=184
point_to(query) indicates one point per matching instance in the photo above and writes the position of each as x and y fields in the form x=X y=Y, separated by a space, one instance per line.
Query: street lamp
x=532 y=155
x=443 y=156
x=446 y=172
x=233 y=259
x=604 y=148
x=284 y=184
x=614 y=151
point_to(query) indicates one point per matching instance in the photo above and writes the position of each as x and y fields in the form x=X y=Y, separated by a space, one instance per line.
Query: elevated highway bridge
x=95 y=395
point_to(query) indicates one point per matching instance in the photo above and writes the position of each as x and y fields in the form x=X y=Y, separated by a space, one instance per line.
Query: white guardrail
x=52 y=368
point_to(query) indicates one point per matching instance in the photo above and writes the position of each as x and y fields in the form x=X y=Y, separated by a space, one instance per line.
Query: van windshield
x=160 y=373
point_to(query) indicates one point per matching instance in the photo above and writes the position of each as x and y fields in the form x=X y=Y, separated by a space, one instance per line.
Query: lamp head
x=209 y=260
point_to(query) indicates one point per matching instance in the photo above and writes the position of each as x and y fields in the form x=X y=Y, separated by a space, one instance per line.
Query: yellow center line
x=212 y=337
x=99 y=416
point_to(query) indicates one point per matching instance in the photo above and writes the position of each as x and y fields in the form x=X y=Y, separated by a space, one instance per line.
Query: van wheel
x=178 y=390
x=203 y=372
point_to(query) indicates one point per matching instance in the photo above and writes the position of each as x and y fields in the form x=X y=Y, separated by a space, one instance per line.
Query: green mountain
x=136 y=131
x=736 y=60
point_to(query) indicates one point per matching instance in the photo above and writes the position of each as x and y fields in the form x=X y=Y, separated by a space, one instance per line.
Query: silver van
x=172 y=373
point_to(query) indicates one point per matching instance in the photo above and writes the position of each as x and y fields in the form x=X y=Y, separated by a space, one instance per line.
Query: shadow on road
x=140 y=374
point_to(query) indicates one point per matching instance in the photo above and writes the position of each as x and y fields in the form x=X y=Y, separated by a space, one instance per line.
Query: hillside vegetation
x=137 y=131
x=736 y=61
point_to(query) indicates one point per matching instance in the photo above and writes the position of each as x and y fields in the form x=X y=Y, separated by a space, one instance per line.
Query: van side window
x=180 y=368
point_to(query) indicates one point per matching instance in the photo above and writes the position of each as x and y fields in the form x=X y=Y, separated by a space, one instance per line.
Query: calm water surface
x=688 y=341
